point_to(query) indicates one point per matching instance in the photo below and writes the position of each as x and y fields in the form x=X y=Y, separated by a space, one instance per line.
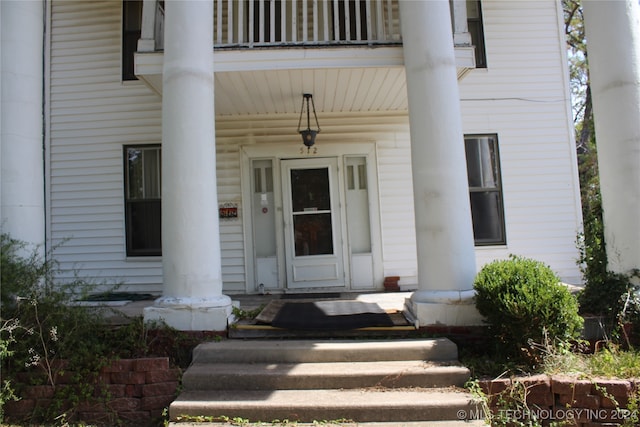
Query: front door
x=312 y=223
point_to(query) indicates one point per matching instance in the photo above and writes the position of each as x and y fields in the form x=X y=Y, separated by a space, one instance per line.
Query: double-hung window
x=142 y=172
x=485 y=189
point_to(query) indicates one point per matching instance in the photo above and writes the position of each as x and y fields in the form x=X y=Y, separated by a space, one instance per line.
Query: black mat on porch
x=330 y=315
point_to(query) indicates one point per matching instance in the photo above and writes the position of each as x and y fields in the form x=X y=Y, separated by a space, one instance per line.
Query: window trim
x=478 y=38
x=131 y=252
x=497 y=189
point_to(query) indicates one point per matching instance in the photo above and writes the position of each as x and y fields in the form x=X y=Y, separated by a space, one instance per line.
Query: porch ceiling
x=334 y=90
x=245 y=85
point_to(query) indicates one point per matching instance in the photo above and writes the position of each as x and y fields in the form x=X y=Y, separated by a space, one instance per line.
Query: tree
x=596 y=298
x=579 y=75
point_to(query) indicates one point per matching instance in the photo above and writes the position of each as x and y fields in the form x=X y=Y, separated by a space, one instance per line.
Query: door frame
x=284 y=151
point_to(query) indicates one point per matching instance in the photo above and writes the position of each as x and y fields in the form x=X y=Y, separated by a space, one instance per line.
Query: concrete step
x=360 y=405
x=311 y=351
x=304 y=381
x=341 y=375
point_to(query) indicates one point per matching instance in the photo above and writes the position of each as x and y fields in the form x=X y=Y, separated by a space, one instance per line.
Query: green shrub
x=605 y=294
x=20 y=273
x=44 y=335
x=524 y=302
x=46 y=339
x=611 y=296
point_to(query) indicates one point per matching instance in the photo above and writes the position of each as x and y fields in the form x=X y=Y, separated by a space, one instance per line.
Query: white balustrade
x=274 y=23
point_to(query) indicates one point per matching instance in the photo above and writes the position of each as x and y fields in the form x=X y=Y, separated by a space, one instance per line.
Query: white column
x=147 y=41
x=192 y=297
x=444 y=234
x=613 y=34
x=21 y=121
x=461 y=35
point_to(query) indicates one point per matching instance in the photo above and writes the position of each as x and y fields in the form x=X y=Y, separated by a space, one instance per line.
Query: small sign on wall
x=228 y=210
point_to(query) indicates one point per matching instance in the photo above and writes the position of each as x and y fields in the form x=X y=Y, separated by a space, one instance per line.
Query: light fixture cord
x=308 y=114
x=301 y=110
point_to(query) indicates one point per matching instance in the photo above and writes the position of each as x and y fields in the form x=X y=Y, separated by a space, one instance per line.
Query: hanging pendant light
x=308 y=134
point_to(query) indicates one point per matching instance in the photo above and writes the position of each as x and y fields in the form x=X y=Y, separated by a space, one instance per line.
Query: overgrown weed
x=46 y=339
x=609 y=362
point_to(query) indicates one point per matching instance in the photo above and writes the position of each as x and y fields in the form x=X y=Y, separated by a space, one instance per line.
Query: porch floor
x=121 y=311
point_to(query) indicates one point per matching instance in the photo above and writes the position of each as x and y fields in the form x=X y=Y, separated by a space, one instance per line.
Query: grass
x=606 y=363
x=512 y=407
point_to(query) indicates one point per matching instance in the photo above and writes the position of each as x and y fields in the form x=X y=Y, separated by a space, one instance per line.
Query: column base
x=187 y=314
x=444 y=308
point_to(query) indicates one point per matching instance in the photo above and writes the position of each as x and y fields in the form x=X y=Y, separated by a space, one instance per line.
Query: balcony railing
x=271 y=23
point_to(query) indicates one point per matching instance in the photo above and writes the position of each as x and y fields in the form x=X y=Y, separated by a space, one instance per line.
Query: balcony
x=274 y=23
x=287 y=35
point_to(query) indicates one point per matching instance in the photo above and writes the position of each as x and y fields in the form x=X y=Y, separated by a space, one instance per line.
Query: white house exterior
x=434 y=157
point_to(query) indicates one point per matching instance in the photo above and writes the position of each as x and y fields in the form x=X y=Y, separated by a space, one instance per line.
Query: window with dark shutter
x=131 y=27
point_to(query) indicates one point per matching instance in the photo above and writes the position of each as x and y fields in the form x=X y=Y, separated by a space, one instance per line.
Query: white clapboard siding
x=388 y=130
x=520 y=97
x=92 y=114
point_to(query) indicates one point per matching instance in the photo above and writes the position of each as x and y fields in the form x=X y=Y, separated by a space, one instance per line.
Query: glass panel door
x=311 y=203
x=313 y=242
